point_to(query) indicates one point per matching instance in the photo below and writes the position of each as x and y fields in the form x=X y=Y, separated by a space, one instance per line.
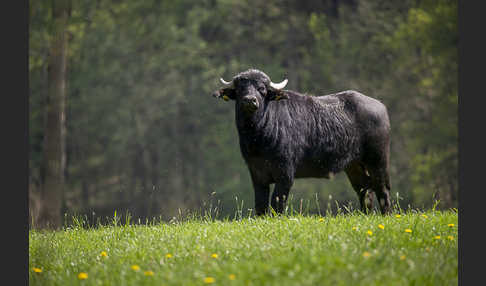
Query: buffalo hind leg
x=361 y=183
x=377 y=161
x=381 y=186
x=280 y=194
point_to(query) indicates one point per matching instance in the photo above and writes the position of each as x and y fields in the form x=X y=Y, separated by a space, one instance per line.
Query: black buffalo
x=286 y=135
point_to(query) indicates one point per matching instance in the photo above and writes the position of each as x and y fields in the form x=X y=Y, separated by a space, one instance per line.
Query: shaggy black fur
x=286 y=135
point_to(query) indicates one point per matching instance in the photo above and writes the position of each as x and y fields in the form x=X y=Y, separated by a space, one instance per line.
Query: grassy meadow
x=412 y=248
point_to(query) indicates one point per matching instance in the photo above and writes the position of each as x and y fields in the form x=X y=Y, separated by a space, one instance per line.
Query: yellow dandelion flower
x=354 y=228
x=424 y=216
x=369 y=232
x=408 y=230
x=209 y=280
x=168 y=255
x=37 y=270
x=450 y=225
x=232 y=277
x=402 y=257
x=214 y=255
x=398 y=216
x=437 y=237
x=82 y=276
x=321 y=219
x=366 y=254
x=149 y=273
x=380 y=226
x=450 y=237
x=103 y=254
x=135 y=267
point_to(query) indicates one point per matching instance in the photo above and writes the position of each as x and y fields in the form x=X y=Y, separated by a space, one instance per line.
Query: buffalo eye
x=261 y=90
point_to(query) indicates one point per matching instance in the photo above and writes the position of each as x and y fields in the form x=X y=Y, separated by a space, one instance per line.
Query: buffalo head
x=251 y=90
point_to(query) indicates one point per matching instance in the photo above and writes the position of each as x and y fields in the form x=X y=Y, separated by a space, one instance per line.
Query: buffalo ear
x=225 y=93
x=275 y=94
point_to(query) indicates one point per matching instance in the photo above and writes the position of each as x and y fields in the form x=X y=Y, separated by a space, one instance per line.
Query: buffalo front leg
x=262 y=192
x=261 y=198
x=280 y=195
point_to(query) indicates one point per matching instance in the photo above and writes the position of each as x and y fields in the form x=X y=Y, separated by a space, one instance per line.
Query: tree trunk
x=54 y=160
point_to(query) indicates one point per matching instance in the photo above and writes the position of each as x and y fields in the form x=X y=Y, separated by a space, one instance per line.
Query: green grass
x=287 y=250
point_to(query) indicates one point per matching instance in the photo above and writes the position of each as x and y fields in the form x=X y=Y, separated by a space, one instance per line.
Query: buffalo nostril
x=252 y=100
x=251 y=103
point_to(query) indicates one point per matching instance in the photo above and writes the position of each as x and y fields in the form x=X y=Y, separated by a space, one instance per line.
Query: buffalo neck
x=247 y=123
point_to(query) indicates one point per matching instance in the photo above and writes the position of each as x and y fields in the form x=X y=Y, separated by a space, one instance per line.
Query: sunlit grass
x=345 y=249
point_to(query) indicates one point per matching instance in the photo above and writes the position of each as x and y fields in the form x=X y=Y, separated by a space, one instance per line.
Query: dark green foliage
x=144 y=134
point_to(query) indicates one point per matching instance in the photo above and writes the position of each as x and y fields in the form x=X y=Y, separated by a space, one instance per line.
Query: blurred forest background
x=122 y=118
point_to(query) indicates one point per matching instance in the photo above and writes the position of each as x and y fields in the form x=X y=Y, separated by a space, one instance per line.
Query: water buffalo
x=286 y=135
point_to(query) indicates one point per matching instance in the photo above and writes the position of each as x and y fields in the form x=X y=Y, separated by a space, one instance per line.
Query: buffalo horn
x=279 y=85
x=225 y=82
